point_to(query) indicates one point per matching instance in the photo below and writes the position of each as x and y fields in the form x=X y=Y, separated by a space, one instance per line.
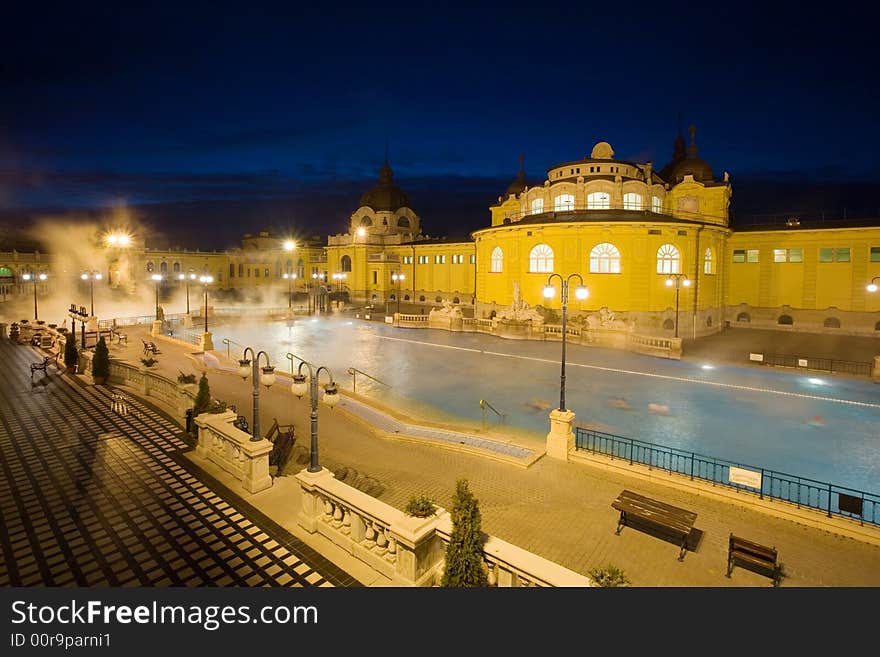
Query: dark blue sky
x=262 y=116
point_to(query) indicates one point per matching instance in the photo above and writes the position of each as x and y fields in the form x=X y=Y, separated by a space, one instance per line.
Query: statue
x=447 y=308
x=606 y=319
x=519 y=310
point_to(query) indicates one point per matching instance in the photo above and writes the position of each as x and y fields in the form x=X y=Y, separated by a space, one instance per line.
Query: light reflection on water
x=814 y=438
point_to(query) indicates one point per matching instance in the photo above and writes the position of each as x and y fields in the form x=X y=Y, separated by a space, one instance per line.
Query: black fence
x=821 y=496
x=833 y=366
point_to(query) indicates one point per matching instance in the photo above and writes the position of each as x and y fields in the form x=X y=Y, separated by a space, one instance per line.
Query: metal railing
x=830 y=365
x=821 y=496
x=228 y=342
x=484 y=405
x=355 y=371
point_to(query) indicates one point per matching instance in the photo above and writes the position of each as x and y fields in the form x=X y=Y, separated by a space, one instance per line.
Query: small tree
x=202 y=403
x=101 y=361
x=464 y=554
x=71 y=355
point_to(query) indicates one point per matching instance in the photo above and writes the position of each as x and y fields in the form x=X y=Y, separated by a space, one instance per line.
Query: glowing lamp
x=871 y=287
x=299 y=387
x=267 y=378
x=686 y=282
x=331 y=395
x=549 y=291
x=244 y=368
x=581 y=292
x=668 y=282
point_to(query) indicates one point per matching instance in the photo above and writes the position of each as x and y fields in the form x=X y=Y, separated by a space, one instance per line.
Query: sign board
x=850 y=504
x=757 y=357
x=389 y=319
x=744 y=477
x=802 y=362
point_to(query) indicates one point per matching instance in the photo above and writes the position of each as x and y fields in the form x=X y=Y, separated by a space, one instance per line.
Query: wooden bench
x=755 y=557
x=150 y=347
x=668 y=519
x=41 y=366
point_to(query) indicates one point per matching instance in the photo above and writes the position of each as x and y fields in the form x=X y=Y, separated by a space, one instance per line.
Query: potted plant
x=419 y=506
x=101 y=362
x=149 y=361
x=71 y=356
x=609 y=576
x=186 y=379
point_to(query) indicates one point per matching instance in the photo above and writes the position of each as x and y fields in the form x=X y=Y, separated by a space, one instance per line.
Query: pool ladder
x=484 y=405
x=355 y=371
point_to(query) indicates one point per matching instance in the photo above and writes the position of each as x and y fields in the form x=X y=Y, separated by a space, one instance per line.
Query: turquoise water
x=811 y=425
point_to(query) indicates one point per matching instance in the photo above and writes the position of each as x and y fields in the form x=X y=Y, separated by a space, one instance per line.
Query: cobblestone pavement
x=93 y=498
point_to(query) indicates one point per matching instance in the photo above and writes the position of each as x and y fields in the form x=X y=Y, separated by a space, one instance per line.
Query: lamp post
x=186 y=279
x=157 y=278
x=339 y=277
x=678 y=280
x=290 y=278
x=398 y=278
x=91 y=277
x=81 y=315
x=206 y=280
x=315 y=277
x=870 y=287
x=581 y=292
x=300 y=387
x=247 y=367
x=34 y=277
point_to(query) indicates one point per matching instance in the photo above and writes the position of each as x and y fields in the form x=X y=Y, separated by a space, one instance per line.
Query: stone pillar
x=156 y=328
x=310 y=508
x=875 y=373
x=187 y=320
x=207 y=342
x=560 y=440
x=92 y=325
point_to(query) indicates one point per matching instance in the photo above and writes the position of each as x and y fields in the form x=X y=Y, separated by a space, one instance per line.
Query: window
x=366 y=221
x=375 y=277
x=497 y=260
x=403 y=222
x=632 y=201
x=537 y=206
x=176 y=268
x=240 y=270
x=266 y=272
x=563 y=203
x=231 y=271
x=163 y=267
x=744 y=317
x=345 y=263
x=439 y=259
x=457 y=259
x=668 y=260
x=831 y=322
x=407 y=260
x=605 y=259
x=541 y=259
x=834 y=254
x=598 y=201
x=256 y=272
x=438 y=299
x=875 y=254
x=707 y=262
x=422 y=298
x=656 y=205
x=423 y=260
x=745 y=255
x=785 y=320
x=788 y=255
x=473 y=258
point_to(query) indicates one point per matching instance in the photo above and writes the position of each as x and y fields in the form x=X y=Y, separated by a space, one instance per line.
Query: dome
x=692 y=165
x=519 y=183
x=602 y=151
x=385 y=196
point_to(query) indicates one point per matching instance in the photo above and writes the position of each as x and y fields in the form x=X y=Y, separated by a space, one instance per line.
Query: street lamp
x=678 y=280
x=299 y=387
x=246 y=368
x=581 y=292
x=870 y=287
x=206 y=280
x=91 y=277
x=34 y=277
x=398 y=278
x=315 y=277
x=290 y=278
x=339 y=277
x=81 y=315
x=187 y=279
x=157 y=278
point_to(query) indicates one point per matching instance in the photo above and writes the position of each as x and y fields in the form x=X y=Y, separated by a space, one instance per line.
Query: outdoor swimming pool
x=811 y=425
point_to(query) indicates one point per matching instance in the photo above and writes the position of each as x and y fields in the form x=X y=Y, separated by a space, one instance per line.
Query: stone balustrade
x=232 y=449
x=409 y=551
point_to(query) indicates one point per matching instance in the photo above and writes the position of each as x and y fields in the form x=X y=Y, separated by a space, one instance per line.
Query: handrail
x=483 y=405
x=355 y=371
x=227 y=342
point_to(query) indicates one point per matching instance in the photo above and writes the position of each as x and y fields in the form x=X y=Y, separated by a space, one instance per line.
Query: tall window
x=176 y=268
x=345 y=263
x=541 y=259
x=163 y=267
x=537 y=206
x=668 y=260
x=231 y=271
x=632 y=201
x=656 y=205
x=497 y=260
x=473 y=259
x=707 y=262
x=563 y=202
x=598 y=201
x=605 y=259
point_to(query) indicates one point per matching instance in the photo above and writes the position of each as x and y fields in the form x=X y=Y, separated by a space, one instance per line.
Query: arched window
x=392 y=297
x=605 y=259
x=422 y=298
x=632 y=201
x=707 y=262
x=384 y=221
x=240 y=270
x=456 y=300
x=668 y=324
x=231 y=271
x=668 y=260
x=656 y=205
x=537 y=206
x=497 y=260
x=406 y=297
x=366 y=221
x=438 y=299
x=163 y=267
x=785 y=320
x=403 y=222
x=709 y=320
x=345 y=263
x=598 y=201
x=151 y=267
x=176 y=268
x=877 y=326
x=541 y=259
x=563 y=203
x=300 y=268
x=831 y=322
x=744 y=317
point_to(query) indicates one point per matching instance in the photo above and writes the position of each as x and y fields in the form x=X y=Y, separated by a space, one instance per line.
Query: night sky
x=263 y=117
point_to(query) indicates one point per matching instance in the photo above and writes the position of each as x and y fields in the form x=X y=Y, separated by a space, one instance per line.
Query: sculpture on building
x=519 y=310
x=606 y=319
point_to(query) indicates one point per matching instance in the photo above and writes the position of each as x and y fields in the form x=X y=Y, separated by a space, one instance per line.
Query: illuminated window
x=423 y=260
x=497 y=260
x=632 y=201
x=788 y=255
x=473 y=259
x=457 y=259
x=439 y=259
x=656 y=205
x=834 y=254
x=668 y=260
x=598 y=201
x=537 y=206
x=563 y=203
x=605 y=259
x=875 y=254
x=407 y=260
x=541 y=259
x=745 y=255
x=707 y=262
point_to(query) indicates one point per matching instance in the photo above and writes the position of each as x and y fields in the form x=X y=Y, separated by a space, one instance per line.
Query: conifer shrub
x=203 y=402
x=464 y=553
x=101 y=361
x=71 y=355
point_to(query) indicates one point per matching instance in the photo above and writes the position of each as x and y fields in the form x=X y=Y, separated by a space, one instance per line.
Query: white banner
x=743 y=477
x=757 y=357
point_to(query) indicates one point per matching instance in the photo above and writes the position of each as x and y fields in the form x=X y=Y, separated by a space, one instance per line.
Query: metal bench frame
x=41 y=366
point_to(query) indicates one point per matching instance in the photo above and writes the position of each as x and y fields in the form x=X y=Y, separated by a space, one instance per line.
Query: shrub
x=609 y=576
x=149 y=361
x=202 y=403
x=71 y=355
x=419 y=506
x=186 y=378
x=101 y=360
x=464 y=554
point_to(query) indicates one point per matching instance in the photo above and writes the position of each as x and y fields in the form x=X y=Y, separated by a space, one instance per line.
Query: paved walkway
x=561 y=511
x=92 y=498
